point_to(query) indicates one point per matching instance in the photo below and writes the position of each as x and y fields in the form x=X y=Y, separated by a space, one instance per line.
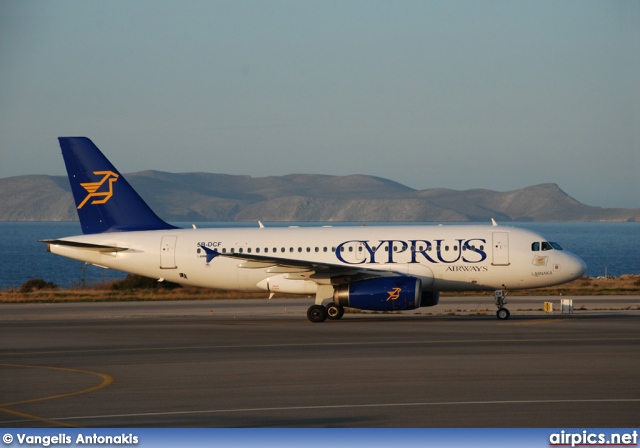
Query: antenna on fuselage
x=493 y=222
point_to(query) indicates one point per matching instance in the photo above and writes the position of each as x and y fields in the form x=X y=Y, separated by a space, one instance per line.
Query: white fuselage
x=445 y=258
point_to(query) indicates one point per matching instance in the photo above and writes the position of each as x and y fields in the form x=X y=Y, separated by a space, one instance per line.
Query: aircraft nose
x=577 y=266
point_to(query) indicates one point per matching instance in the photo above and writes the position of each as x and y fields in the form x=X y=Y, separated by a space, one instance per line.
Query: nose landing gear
x=500 y=296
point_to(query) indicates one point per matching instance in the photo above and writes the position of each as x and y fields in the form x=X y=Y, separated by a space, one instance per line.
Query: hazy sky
x=453 y=94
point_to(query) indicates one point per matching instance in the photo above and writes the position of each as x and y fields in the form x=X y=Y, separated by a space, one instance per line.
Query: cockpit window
x=545 y=245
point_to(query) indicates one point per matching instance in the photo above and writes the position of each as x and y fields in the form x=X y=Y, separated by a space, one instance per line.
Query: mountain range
x=201 y=197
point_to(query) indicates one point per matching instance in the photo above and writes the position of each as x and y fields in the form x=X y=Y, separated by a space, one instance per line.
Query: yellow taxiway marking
x=4 y=407
x=36 y=417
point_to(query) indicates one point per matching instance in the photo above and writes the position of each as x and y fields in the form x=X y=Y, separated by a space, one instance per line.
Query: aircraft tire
x=503 y=313
x=335 y=311
x=317 y=313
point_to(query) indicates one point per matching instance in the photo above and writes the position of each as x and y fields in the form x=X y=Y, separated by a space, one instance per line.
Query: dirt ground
x=624 y=285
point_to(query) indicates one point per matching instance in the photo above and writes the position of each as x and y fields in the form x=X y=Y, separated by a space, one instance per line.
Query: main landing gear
x=320 y=313
x=500 y=296
x=335 y=311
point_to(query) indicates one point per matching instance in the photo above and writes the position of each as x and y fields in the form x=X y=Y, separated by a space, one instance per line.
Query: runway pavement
x=260 y=363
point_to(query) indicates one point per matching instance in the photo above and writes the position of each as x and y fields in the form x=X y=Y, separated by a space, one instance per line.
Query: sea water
x=608 y=249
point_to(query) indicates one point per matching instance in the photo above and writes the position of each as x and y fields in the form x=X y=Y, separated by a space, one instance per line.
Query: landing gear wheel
x=317 y=313
x=500 y=301
x=503 y=313
x=335 y=311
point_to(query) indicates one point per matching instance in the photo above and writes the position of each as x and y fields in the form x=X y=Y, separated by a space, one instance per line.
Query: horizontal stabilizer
x=87 y=246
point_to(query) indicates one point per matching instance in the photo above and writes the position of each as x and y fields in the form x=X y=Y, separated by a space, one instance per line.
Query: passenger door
x=168 y=252
x=500 y=249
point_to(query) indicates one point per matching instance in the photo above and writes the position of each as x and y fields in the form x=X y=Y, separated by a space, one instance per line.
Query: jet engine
x=380 y=294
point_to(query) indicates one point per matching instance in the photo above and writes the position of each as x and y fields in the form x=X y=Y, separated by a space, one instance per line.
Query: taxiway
x=260 y=363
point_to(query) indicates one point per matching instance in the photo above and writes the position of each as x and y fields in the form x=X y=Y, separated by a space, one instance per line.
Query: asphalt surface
x=260 y=363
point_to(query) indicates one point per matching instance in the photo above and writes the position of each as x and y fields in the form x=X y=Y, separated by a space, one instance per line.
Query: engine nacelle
x=380 y=294
x=430 y=298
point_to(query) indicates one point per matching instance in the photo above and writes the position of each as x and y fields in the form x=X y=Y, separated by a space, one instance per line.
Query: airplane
x=377 y=268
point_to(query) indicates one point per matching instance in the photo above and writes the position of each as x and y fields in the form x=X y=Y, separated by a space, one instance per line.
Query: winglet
x=493 y=222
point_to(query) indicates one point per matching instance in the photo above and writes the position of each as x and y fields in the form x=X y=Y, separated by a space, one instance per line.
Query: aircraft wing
x=310 y=269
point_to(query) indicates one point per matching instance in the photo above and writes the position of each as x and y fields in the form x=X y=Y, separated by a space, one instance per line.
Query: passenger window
x=535 y=246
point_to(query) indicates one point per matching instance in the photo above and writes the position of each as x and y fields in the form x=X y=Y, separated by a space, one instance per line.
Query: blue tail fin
x=105 y=200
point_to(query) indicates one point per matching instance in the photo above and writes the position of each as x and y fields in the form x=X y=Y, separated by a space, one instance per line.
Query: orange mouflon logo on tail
x=92 y=188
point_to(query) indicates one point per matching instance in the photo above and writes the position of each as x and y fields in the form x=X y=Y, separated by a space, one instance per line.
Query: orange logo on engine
x=93 y=187
x=394 y=294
